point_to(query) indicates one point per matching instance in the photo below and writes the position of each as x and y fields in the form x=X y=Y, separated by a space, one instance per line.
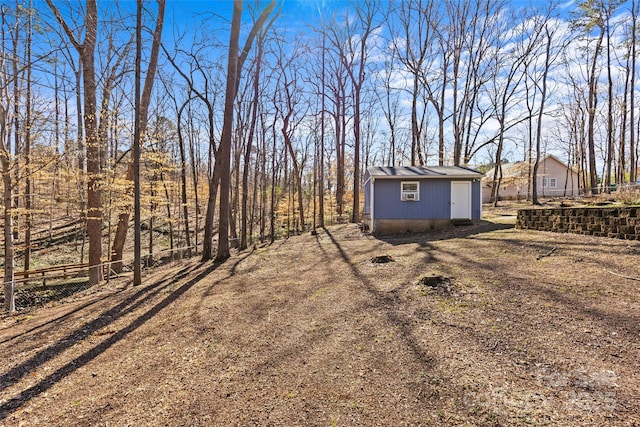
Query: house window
x=410 y=191
x=549 y=183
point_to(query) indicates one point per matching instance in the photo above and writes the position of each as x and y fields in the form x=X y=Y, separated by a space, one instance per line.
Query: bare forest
x=136 y=132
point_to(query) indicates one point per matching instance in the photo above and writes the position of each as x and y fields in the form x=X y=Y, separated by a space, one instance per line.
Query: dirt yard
x=481 y=325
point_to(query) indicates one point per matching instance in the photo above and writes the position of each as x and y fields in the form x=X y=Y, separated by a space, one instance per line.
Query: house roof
x=509 y=170
x=516 y=169
x=404 y=172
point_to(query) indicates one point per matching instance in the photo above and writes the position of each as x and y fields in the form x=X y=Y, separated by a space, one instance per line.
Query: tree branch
x=66 y=28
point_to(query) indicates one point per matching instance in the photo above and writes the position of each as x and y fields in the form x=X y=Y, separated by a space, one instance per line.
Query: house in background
x=420 y=198
x=555 y=179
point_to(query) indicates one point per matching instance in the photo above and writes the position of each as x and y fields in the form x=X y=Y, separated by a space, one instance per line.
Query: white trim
x=420 y=177
x=549 y=182
x=373 y=206
x=468 y=196
x=480 y=195
x=410 y=196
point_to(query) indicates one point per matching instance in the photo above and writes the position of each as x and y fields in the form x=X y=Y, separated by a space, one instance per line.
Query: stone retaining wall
x=620 y=223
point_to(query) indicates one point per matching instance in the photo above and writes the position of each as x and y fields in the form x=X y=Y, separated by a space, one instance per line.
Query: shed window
x=410 y=191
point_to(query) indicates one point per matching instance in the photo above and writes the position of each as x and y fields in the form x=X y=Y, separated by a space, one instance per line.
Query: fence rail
x=36 y=287
x=51 y=273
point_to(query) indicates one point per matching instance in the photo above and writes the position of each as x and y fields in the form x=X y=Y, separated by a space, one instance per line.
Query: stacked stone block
x=619 y=222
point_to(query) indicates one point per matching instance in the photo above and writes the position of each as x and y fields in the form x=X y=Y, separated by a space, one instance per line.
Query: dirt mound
x=381 y=259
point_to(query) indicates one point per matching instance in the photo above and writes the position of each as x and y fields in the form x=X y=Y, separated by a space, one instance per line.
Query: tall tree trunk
x=137 y=245
x=248 y=148
x=17 y=149
x=593 y=103
x=633 y=163
x=322 y=136
x=224 y=152
x=355 y=214
x=234 y=195
x=263 y=179
x=415 y=131
x=622 y=147
x=214 y=182
x=80 y=145
x=123 y=219
x=207 y=242
x=169 y=220
x=340 y=149
x=183 y=181
x=195 y=178
x=254 y=198
x=497 y=176
x=223 y=157
x=543 y=96
x=94 y=182
x=272 y=213
x=9 y=250
x=296 y=172
x=28 y=196
x=610 y=130
x=86 y=51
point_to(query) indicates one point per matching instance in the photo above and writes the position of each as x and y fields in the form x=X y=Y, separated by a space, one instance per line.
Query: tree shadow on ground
x=14 y=375
x=386 y=302
x=559 y=302
x=453 y=232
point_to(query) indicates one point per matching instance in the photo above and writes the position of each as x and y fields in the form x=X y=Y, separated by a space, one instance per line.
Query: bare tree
x=543 y=97
x=28 y=193
x=413 y=46
x=633 y=161
x=335 y=84
x=75 y=154
x=607 y=10
x=354 y=51
x=319 y=84
x=249 y=144
x=9 y=249
x=389 y=100
x=321 y=187
x=145 y=99
x=234 y=68
x=508 y=75
x=291 y=109
x=208 y=94
x=5 y=169
x=590 y=18
x=624 y=107
x=142 y=122
x=183 y=178
x=86 y=51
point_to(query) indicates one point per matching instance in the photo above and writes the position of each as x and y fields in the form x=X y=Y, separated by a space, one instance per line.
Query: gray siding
x=434 y=203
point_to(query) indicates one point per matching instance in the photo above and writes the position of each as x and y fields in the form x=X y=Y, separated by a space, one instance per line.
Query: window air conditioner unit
x=409 y=196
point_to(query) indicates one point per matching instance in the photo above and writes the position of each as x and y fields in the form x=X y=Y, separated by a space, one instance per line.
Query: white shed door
x=460 y=200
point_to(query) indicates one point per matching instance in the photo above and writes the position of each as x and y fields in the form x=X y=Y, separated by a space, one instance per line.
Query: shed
x=420 y=198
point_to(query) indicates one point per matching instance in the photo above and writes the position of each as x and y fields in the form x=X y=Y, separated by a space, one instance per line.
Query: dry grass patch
x=309 y=331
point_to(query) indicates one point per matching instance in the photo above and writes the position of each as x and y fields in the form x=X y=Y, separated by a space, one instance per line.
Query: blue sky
x=293 y=11
x=297 y=16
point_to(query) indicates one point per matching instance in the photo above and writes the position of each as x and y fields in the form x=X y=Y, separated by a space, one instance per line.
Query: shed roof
x=404 y=172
